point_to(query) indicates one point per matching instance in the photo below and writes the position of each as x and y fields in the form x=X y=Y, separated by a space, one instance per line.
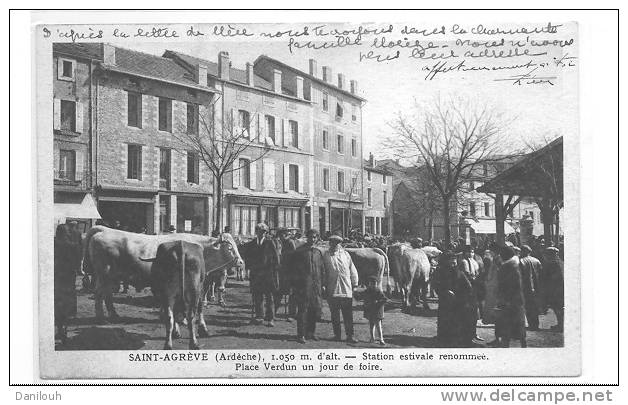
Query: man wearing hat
x=341 y=277
x=510 y=322
x=288 y=246
x=264 y=268
x=306 y=281
x=530 y=273
x=555 y=294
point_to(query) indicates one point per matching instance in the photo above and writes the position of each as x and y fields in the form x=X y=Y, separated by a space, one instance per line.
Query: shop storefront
x=245 y=212
x=345 y=216
x=130 y=211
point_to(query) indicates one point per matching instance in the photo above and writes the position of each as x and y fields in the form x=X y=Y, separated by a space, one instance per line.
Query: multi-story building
x=270 y=181
x=73 y=67
x=146 y=178
x=378 y=192
x=336 y=142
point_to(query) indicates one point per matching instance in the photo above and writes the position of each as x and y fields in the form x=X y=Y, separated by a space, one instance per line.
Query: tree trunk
x=548 y=220
x=446 y=222
x=219 y=197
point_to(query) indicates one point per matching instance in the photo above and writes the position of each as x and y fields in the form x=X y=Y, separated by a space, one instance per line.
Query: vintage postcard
x=308 y=199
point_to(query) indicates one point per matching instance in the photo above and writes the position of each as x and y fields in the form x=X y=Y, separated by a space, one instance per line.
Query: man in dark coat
x=510 y=323
x=67 y=263
x=530 y=273
x=288 y=246
x=263 y=257
x=555 y=293
x=306 y=264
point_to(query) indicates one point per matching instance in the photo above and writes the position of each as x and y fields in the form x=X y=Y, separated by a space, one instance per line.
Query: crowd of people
x=505 y=285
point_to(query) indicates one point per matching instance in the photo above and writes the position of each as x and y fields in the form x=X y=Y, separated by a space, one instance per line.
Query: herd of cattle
x=179 y=267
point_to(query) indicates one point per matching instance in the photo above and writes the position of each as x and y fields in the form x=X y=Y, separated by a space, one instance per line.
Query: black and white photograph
x=308 y=199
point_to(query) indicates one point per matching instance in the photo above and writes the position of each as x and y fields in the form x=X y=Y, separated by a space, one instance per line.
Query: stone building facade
x=147 y=180
x=378 y=194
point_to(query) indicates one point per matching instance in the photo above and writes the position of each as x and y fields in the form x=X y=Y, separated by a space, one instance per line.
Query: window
x=384 y=179
x=289 y=217
x=270 y=127
x=485 y=169
x=369 y=197
x=487 y=209
x=354 y=113
x=165 y=114
x=68 y=115
x=244 y=122
x=472 y=209
x=385 y=199
x=66 y=69
x=325 y=139
x=339 y=110
x=243 y=219
x=341 y=181
x=164 y=168
x=325 y=102
x=134 y=162
x=354 y=147
x=340 y=141
x=294 y=133
x=193 y=167
x=531 y=213
x=245 y=172
x=326 y=179
x=192 y=119
x=368 y=176
x=354 y=184
x=67 y=165
x=134 y=110
x=293 y=177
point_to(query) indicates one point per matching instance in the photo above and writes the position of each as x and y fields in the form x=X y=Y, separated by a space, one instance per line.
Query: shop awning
x=85 y=210
x=488 y=226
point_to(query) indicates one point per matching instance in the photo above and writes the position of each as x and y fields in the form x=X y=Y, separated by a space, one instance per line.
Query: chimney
x=341 y=81
x=299 y=87
x=371 y=160
x=327 y=74
x=109 y=54
x=249 y=74
x=223 y=65
x=313 y=68
x=201 y=74
x=277 y=81
x=353 y=87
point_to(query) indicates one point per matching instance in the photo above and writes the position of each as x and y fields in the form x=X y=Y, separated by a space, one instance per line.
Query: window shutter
x=235 y=124
x=268 y=169
x=79 y=117
x=333 y=179
x=286 y=177
x=57 y=113
x=59 y=68
x=300 y=178
x=78 y=156
x=253 y=172
x=299 y=136
x=286 y=133
x=278 y=131
x=235 y=174
x=141 y=167
x=261 y=128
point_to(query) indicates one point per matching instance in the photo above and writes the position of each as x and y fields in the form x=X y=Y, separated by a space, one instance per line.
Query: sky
x=532 y=112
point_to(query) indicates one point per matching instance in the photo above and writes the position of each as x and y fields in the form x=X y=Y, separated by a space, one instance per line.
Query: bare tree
x=449 y=141
x=219 y=142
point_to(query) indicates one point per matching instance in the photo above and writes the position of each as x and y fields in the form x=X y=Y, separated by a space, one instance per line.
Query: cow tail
x=182 y=269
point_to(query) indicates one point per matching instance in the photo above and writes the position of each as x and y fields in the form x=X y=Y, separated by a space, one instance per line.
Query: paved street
x=140 y=328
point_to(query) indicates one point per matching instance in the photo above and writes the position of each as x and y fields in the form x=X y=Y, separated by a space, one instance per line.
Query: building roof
x=308 y=76
x=133 y=63
x=235 y=75
x=79 y=50
x=537 y=174
x=377 y=168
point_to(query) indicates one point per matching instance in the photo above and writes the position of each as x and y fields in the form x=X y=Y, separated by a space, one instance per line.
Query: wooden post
x=500 y=236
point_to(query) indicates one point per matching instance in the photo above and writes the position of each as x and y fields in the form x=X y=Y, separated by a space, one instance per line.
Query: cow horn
x=148 y=260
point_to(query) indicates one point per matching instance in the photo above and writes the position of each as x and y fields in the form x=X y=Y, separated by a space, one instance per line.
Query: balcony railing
x=71 y=178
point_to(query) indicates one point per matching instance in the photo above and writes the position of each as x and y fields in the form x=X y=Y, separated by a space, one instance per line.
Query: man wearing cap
x=530 y=271
x=263 y=274
x=306 y=281
x=341 y=277
x=555 y=294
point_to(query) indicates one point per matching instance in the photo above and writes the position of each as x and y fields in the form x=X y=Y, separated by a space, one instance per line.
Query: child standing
x=374 y=302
